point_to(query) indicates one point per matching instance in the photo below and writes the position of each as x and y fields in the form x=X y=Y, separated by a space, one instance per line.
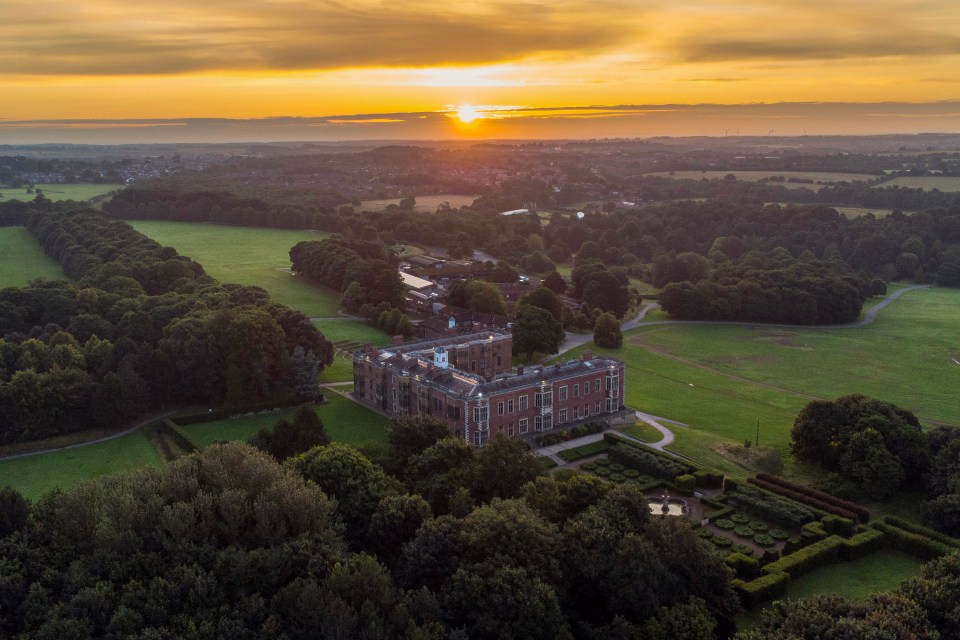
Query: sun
x=467 y=114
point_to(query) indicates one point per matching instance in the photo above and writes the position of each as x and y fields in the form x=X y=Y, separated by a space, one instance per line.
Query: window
x=597 y=409
x=586 y=410
x=613 y=382
x=483 y=364
x=500 y=429
x=611 y=404
x=575 y=413
x=480 y=437
x=543 y=423
x=510 y=405
x=480 y=414
x=523 y=405
x=510 y=429
x=596 y=385
x=563 y=392
x=500 y=408
x=523 y=425
x=499 y=361
x=394 y=393
x=563 y=416
x=544 y=399
x=576 y=390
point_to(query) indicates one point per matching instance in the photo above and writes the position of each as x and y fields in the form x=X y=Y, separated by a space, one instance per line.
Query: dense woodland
x=446 y=542
x=138 y=327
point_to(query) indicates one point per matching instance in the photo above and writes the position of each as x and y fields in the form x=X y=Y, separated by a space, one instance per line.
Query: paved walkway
x=553 y=451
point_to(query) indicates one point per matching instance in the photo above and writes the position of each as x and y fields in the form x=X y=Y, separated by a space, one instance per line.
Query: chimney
x=397 y=341
x=519 y=369
x=587 y=355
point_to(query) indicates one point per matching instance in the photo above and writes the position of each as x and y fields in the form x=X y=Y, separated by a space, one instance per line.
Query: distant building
x=468 y=381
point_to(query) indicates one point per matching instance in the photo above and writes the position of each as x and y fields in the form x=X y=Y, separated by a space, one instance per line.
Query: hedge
x=860 y=512
x=764 y=588
x=811 y=557
x=770 y=507
x=813 y=532
x=685 y=483
x=802 y=498
x=615 y=438
x=721 y=510
x=646 y=462
x=745 y=566
x=708 y=479
x=840 y=526
x=914 y=543
x=933 y=534
x=862 y=544
x=220 y=414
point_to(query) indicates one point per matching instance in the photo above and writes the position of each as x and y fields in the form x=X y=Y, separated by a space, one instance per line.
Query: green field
x=425 y=204
x=927 y=183
x=347 y=336
x=819 y=177
x=878 y=572
x=56 y=192
x=856 y=212
x=722 y=379
x=22 y=259
x=642 y=431
x=344 y=420
x=35 y=475
x=248 y=255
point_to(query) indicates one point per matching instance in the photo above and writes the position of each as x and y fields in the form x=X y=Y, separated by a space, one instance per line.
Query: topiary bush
x=743 y=532
x=617 y=477
x=644 y=479
x=740 y=518
x=588 y=466
x=725 y=524
x=603 y=462
x=685 y=483
x=759 y=526
x=631 y=473
x=722 y=541
x=778 y=534
x=703 y=532
x=603 y=472
x=744 y=549
x=764 y=540
x=616 y=466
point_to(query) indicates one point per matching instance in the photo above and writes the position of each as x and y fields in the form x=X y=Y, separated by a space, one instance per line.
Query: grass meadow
x=722 y=380
x=927 y=183
x=22 y=259
x=35 y=475
x=756 y=176
x=248 y=255
x=57 y=192
x=425 y=204
x=347 y=336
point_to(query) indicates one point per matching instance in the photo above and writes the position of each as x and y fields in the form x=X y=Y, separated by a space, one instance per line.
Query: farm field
x=927 y=183
x=721 y=380
x=22 y=259
x=756 y=176
x=57 y=192
x=425 y=204
x=344 y=420
x=35 y=475
x=248 y=255
x=878 y=572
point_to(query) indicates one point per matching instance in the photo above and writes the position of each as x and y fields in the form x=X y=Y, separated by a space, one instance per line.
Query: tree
x=867 y=461
x=555 y=282
x=607 y=333
x=14 y=510
x=288 y=439
x=306 y=373
x=483 y=296
x=536 y=330
x=503 y=272
x=408 y=436
x=502 y=467
x=543 y=298
x=394 y=523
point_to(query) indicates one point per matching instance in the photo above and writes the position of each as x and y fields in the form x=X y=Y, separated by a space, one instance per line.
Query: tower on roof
x=440 y=358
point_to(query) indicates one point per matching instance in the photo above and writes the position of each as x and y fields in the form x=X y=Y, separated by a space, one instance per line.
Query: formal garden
x=770 y=531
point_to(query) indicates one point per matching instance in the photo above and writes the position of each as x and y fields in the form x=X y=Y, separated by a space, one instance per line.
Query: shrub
x=900 y=523
x=792 y=545
x=685 y=483
x=603 y=462
x=708 y=479
x=740 y=518
x=617 y=477
x=771 y=507
x=841 y=526
x=642 y=478
x=646 y=462
x=725 y=524
x=914 y=543
x=722 y=541
x=603 y=472
x=862 y=544
x=703 y=532
x=764 y=540
x=744 y=549
x=588 y=466
x=778 y=534
x=743 y=532
x=616 y=466
x=756 y=525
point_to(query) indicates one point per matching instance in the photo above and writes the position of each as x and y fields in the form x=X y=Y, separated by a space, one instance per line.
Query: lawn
x=642 y=431
x=722 y=380
x=35 y=475
x=56 y=192
x=425 y=204
x=22 y=259
x=756 y=176
x=248 y=255
x=347 y=336
x=927 y=183
x=878 y=572
x=584 y=450
x=344 y=420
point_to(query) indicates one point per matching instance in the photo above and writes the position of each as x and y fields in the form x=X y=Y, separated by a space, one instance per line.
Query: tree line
x=138 y=328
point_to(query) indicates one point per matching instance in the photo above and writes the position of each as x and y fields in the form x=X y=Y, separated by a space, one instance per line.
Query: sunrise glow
x=467 y=114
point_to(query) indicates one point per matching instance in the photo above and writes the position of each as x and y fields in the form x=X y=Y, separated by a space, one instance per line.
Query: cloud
x=114 y=37
x=723 y=49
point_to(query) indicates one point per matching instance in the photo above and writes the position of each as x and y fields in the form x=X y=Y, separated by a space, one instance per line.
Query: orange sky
x=113 y=59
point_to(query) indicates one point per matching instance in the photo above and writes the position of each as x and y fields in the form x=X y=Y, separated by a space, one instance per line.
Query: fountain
x=667 y=506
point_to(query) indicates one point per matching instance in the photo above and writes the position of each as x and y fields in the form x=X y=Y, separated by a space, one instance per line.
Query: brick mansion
x=469 y=381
